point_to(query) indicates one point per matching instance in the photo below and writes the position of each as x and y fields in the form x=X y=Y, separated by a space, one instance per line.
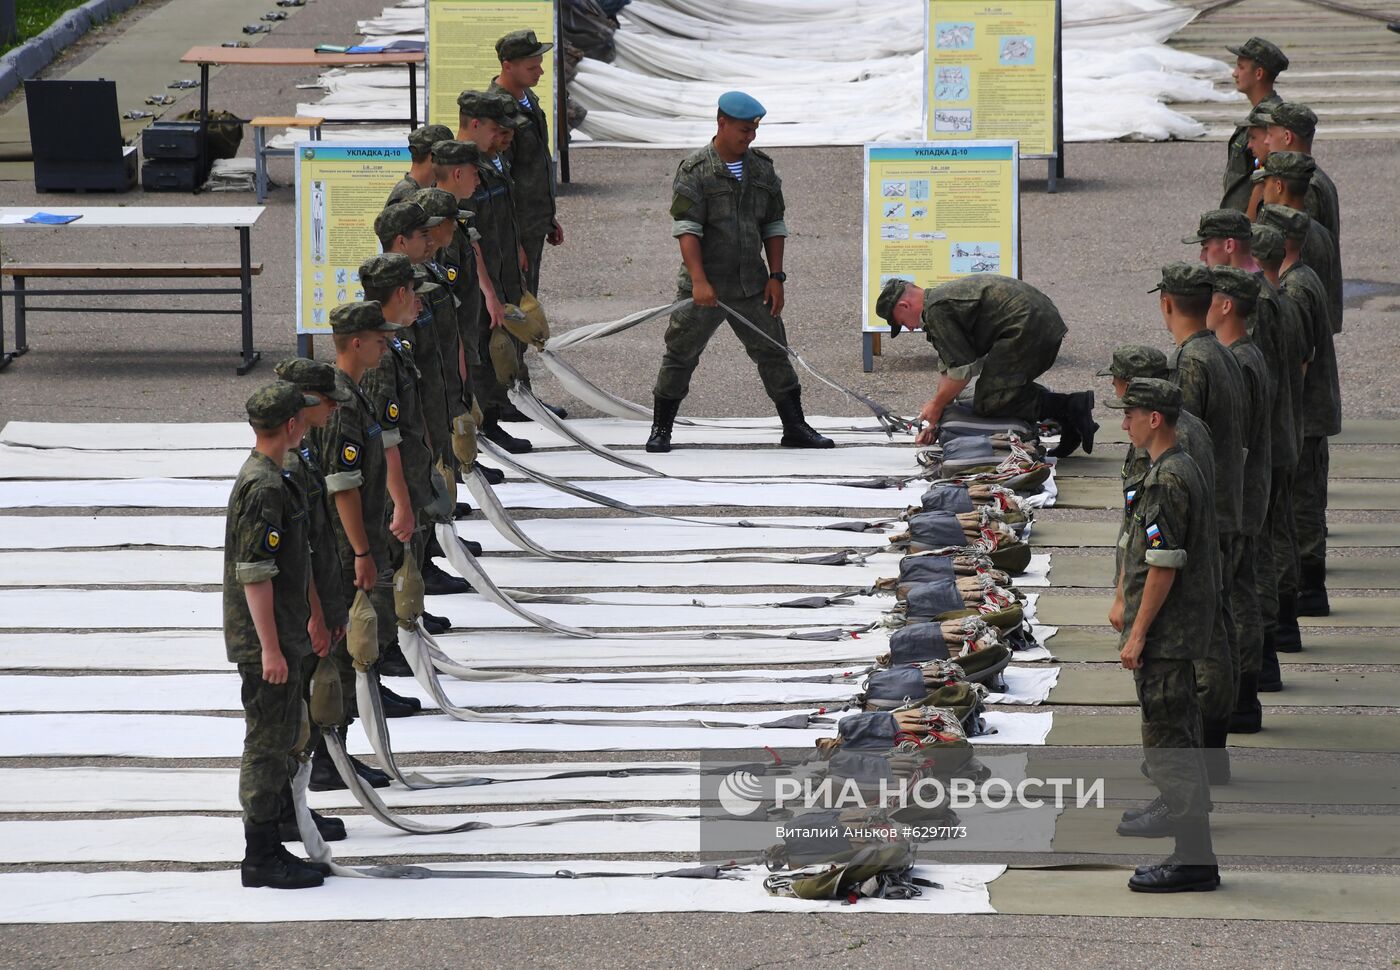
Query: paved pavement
x=1094 y=247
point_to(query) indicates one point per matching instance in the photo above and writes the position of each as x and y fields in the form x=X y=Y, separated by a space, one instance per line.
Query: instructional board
x=937 y=211
x=992 y=72
x=462 y=37
x=340 y=189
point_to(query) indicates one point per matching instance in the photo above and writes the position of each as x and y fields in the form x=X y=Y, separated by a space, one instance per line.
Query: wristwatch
x=780 y=276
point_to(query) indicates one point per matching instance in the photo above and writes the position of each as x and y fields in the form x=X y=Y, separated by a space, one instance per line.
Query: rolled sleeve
x=1166 y=558
x=687 y=227
x=344 y=481
x=255 y=572
x=772 y=229
x=392 y=438
x=965 y=372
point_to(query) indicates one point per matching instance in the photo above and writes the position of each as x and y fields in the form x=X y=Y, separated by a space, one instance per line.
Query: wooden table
x=240 y=218
x=262 y=56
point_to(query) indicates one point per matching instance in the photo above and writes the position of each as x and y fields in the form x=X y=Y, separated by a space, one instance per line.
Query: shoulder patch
x=272 y=539
x=762 y=154
x=1129 y=497
x=1154 y=536
x=350 y=452
x=391 y=411
x=451 y=274
x=406 y=344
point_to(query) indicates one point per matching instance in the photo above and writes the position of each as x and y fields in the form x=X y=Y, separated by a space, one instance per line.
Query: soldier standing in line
x=267 y=597
x=1170 y=566
x=1257 y=64
x=727 y=213
x=420 y=153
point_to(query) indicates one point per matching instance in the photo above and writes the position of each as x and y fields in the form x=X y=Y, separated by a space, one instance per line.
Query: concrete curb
x=37 y=53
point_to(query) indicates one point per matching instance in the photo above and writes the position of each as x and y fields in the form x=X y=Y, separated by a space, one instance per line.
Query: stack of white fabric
x=830 y=72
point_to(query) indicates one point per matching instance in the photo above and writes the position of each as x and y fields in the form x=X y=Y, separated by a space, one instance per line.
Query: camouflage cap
x=520 y=43
x=1262 y=52
x=384 y=271
x=1151 y=393
x=359 y=317
x=423 y=139
x=1297 y=118
x=512 y=112
x=494 y=106
x=1235 y=283
x=1260 y=116
x=312 y=375
x=456 y=153
x=276 y=403
x=1294 y=166
x=1286 y=219
x=1136 y=360
x=884 y=303
x=439 y=204
x=1220 y=224
x=1266 y=243
x=401 y=219
x=1184 y=279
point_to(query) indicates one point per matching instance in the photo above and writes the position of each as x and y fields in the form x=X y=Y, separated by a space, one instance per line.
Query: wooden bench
x=22 y=272
x=261 y=153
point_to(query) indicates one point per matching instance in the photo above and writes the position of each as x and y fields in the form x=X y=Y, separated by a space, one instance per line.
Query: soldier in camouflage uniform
x=482 y=120
x=1232 y=304
x=330 y=608
x=1257 y=64
x=1291 y=129
x=267 y=582
x=356 y=464
x=1212 y=389
x=420 y=153
x=727 y=213
x=1170 y=567
x=1322 y=409
x=1001 y=331
x=531 y=155
x=1285 y=177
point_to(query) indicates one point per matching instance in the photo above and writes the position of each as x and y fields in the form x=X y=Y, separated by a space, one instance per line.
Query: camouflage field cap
x=384 y=271
x=1262 y=52
x=1235 y=283
x=1297 y=118
x=423 y=139
x=1294 y=166
x=1220 y=224
x=277 y=403
x=1152 y=393
x=884 y=303
x=1136 y=360
x=520 y=43
x=512 y=111
x=312 y=375
x=439 y=204
x=401 y=219
x=1266 y=242
x=1292 y=222
x=1259 y=117
x=454 y=152
x=359 y=317
x=1184 y=279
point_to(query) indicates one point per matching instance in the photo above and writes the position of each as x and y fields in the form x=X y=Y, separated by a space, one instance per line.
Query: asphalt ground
x=1094 y=248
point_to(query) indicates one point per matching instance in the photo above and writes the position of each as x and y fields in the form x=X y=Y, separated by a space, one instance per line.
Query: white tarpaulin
x=829 y=73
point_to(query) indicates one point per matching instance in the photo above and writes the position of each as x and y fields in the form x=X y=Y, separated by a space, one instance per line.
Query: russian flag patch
x=1154 y=536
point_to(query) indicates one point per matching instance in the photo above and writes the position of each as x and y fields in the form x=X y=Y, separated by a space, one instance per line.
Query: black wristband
x=780 y=276
x=361 y=555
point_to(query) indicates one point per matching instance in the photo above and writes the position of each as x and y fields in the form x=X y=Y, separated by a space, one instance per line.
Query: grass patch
x=35 y=16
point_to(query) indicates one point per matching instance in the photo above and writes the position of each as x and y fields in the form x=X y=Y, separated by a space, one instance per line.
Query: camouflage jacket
x=1322 y=396
x=964 y=319
x=403 y=190
x=1173 y=526
x=1277 y=329
x=1240 y=164
x=457 y=260
x=305 y=469
x=1193 y=437
x=352 y=448
x=531 y=159
x=493 y=204
x=1212 y=388
x=732 y=217
x=1259 y=384
x=393 y=389
x=265 y=538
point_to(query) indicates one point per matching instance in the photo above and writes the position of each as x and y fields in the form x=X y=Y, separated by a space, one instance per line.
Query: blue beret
x=740 y=106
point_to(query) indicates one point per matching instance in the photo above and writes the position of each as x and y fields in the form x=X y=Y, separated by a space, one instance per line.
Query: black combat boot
x=392 y=662
x=1154 y=823
x=797 y=433
x=1075 y=414
x=471 y=546
x=492 y=431
x=436 y=625
x=1190 y=869
x=1312 y=592
x=437 y=582
x=325 y=777
x=1270 y=677
x=396 y=705
x=493 y=476
x=1217 y=756
x=663 y=417
x=461 y=511
x=1131 y=813
x=264 y=866
x=1288 y=638
x=332 y=829
x=509 y=412
x=1248 y=716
